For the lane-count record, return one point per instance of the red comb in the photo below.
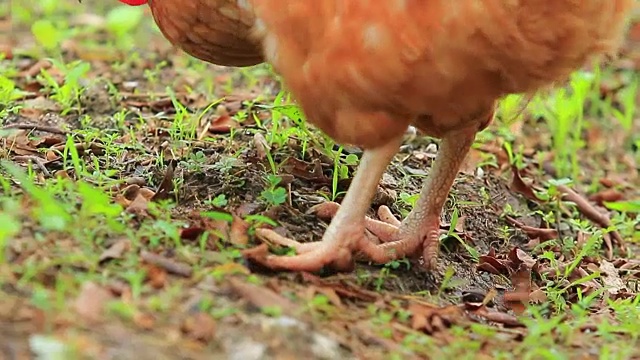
(134, 2)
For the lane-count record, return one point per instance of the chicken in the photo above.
(363, 71)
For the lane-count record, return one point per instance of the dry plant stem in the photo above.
(170, 265)
(40, 163)
(591, 213)
(35, 127)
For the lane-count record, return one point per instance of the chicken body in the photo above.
(363, 71)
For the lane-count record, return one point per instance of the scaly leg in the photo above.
(419, 232)
(421, 229)
(345, 235)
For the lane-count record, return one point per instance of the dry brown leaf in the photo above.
(261, 297)
(538, 296)
(165, 187)
(139, 205)
(518, 185)
(492, 264)
(611, 279)
(431, 318)
(518, 299)
(200, 326)
(344, 289)
(261, 145)
(519, 257)
(144, 321)
(156, 276)
(499, 317)
(330, 294)
(593, 214)
(306, 171)
(238, 233)
(172, 266)
(542, 234)
(606, 195)
(222, 124)
(231, 268)
(191, 232)
(91, 301)
(115, 251)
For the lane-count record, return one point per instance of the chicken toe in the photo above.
(421, 229)
(384, 229)
(345, 235)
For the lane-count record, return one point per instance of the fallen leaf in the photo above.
(156, 276)
(487, 267)
(494, 264)
(238, 233)
(611, 279)
(115, 251)
(166, 186)
(144, 321)
(170, 265)
(343, 289)
(589, 211)
(542, 234)
(306, 171)
(262, 297)
(538, 296)
(499, 317)
(91, 301)
(431, 318)
(519, 257)
(231, 268)
(191, 232)
(518, 299)
(606, 195)
(331, 294)
(200, 326)
(222, 124)
(518, 185)
(138, 206)
(261, 145)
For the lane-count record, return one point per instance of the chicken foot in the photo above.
(347, 234)
(420, 230)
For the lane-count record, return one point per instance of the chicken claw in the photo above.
(347, 234)
(383, 230)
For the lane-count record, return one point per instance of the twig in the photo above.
(36, 160)
(171, 266)
(591, 213)
(35, 127)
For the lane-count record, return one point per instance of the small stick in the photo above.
(171, 266)
(36, 160)
(35, 127)
(591, 212)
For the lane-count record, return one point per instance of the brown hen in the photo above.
(364, 70)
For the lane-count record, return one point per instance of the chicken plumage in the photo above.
(216, 31)
(363, 71)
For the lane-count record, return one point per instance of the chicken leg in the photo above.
(346, 236)
(421, 228)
